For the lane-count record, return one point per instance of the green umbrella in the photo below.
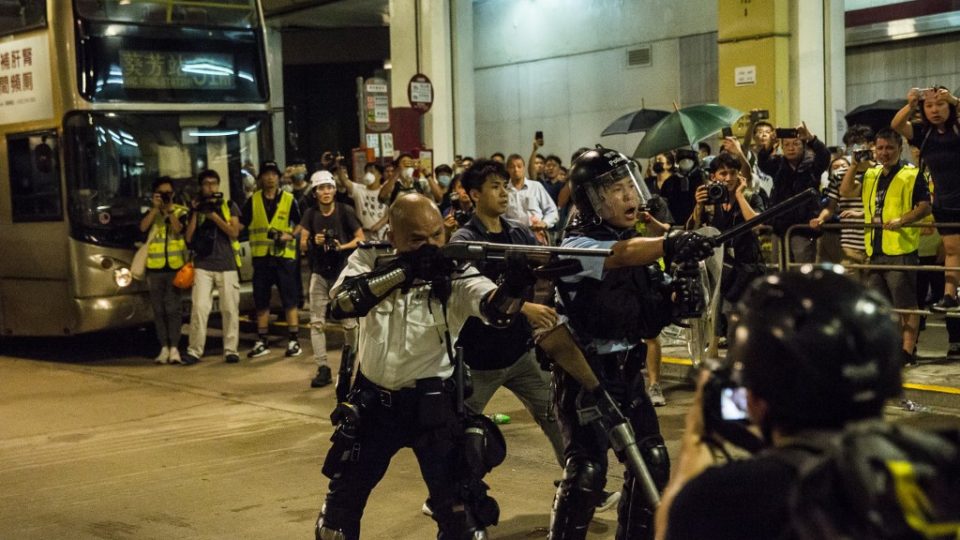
(686, 127)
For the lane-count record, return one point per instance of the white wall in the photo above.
(560, 66)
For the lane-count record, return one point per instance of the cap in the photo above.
(270, 166)
(320, 178)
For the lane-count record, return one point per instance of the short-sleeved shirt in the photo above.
(369, 208)
(850, 237)
(221, 258)
(344, 223)
(941, 153)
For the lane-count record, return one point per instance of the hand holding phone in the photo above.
(539, 138)
(726, 132)
(759, 114)
(787, 133)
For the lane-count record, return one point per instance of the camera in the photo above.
(717, 192)
(461, 217)
(166, 197)
(862, 155)
(725, 408)
(211, 203)
(275, 235)
(760, 114)
(787, 133)
(726, 132)
(329, 240)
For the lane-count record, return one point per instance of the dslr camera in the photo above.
(211, 203)
(166, 197)
(862, 154)
(276, 236)
(329, 240)
(717, 192)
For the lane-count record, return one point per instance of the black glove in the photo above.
(518, 277)
(425, 263)
(688, 300)
(681, 246)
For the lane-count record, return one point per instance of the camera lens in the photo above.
(716, 192)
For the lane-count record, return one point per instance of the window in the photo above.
(17, 15)
(35, 176)
(224, 13)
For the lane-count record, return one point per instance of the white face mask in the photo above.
(369, 178)
(408, 172)
(287, 187)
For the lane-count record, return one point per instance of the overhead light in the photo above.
(387, 64)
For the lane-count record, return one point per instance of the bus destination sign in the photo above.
(177, 70)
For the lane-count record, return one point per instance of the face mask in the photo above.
(299, 177)
(408, 172)
(369, 178)
(444, 180)
(658, 168)
(287, 187)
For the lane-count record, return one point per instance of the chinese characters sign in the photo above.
(376, 104)
(176, 71)
(25, 89)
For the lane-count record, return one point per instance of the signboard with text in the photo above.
(376, 104)
(25, 87)
(420, 93)
(176, 70)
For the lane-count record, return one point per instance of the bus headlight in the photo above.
(123, 277)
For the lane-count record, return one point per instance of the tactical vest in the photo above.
(261, 244)
(167, 249)
(897, 202)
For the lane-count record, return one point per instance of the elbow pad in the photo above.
(359, 295)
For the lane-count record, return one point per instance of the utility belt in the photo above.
(431, 400)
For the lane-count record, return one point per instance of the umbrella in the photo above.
(686, 127)
(877, 115)
(640, 120)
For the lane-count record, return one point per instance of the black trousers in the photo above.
(361, 453)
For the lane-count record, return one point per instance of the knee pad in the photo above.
(583, 475)
(655, 455)
(577, 498)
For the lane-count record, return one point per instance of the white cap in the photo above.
(320, 178)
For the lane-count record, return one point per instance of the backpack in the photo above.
(876, 480)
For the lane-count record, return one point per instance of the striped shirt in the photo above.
(850, 237)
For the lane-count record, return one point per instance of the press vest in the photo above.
(167, 249)
(260, 243)
(234, 243)
(897, 202)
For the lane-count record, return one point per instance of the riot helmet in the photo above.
(595, 172)
(819, 348)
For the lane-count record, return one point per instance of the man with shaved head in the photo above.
(403, 395)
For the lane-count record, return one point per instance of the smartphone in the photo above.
(539, 137)
(733, 404)
(727, 132)
(761, 114)
(787, 133)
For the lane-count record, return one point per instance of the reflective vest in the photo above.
(167, 249)
(234, 243)
(261, 244)
(897, 202)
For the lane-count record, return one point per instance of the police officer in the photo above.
(403, 395)
(611, 307)
(815, 352)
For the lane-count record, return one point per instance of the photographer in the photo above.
(212, 233)
(460, 209)
(815, 352)
(803, 161)
(674, 188)
(273, 217)
(166, 254)
(722, 203)
(330, 231)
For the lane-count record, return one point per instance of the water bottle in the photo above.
(500, 418)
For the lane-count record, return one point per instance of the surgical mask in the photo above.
(408, 172)
(299, 177)
(444, 180)
(287, 187)
(369, 178)
(658, 167)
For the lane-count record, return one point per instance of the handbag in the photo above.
(184, 277)
(138, 266)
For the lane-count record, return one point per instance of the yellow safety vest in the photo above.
(167, 250)
(234, 244)
(897, 202)
(260, 244)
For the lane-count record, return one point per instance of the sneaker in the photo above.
(293, 349)
(908, 358)
(232, 358)
(953, 353)
(425, 509)
(163, 357)
(189, 359)
(656, 397)
(175, 356)
(259, 349)
(322, 378)
(609, 500)
(947, 303)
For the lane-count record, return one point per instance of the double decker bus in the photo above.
(97, 99)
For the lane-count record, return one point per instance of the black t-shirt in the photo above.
(343, 221)
(740, 500)
(941, 153)
(679, 193)
(214, 249)
(745, 248)
(920, 194)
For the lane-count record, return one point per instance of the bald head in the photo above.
(414, 221)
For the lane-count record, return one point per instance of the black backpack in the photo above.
(876, 480)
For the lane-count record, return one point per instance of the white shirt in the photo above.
(369, 209)
(402, 338)
(531, 200)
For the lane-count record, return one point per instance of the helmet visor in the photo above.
(619, 188)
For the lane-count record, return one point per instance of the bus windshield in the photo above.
(117, 156)
(223, 13)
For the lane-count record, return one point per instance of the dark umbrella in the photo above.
(640, 120)
(877, 115)
(686, 127)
